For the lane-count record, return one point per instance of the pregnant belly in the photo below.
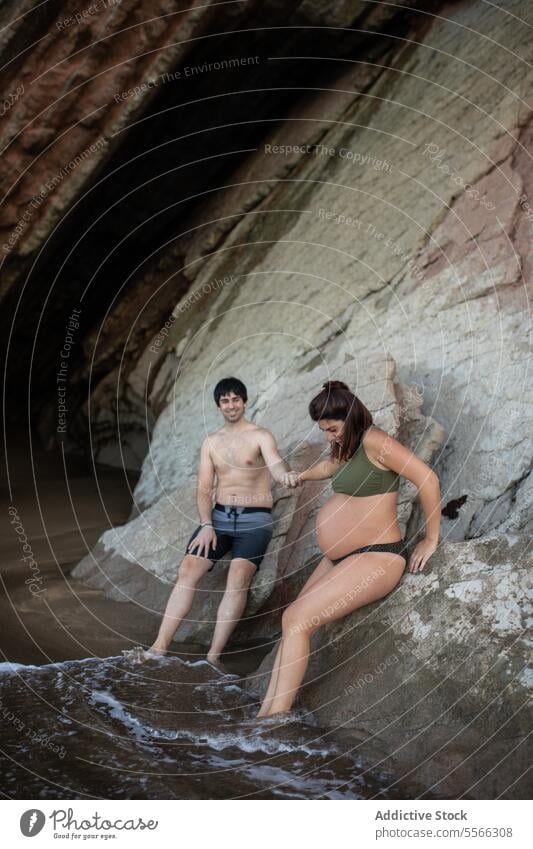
(346, 522)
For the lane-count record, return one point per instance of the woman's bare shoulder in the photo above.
(374, 436)
(377, 443)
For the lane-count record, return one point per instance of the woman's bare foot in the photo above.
(279, 714)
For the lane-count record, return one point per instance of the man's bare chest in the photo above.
(234, 454)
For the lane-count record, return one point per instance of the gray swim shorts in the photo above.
(247, 531)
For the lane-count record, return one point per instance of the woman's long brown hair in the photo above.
(337, 401)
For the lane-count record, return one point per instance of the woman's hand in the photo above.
(421, 554)
(205, 538)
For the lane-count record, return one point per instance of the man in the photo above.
(244, 458)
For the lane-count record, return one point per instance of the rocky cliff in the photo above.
(289, 194)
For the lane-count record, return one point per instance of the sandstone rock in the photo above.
(377, 228)
(73, 84)
(434, 680)
(139, 560)
(397, 239)
(369, 260)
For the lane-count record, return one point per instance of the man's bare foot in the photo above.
(140, 655)
(215, 661)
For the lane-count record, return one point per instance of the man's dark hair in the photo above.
(230, 384)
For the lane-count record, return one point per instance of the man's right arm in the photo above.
(207, 537)
(206, 479)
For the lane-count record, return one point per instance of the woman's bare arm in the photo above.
(391, 453)
(319, 471)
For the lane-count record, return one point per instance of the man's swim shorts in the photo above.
(247, 531)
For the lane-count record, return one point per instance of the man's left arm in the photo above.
(276, 466)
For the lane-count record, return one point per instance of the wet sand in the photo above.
(62, 509)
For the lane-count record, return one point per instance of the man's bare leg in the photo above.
(192, 568)
(232, 606)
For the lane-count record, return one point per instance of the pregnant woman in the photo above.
(357, 531)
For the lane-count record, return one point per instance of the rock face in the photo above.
(434, 680)
(391, 233)
(139, 561)
(119, 121)
(378, 234)
(365, 216)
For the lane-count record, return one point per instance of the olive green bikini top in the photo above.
(359, 476)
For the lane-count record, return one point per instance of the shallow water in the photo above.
(169, 729)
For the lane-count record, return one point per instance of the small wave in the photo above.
(12, 668)
(8, 668)
(168, 733)
(218, 741)
(134, 725)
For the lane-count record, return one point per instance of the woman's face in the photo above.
(332, 428)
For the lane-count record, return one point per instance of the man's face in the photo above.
(332, 428)
(232, 407)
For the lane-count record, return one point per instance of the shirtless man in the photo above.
(244, 458)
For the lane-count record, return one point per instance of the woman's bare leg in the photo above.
(269, 695)
(357, 580)
(322, 569)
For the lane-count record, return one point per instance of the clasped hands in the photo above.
(291, 480)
